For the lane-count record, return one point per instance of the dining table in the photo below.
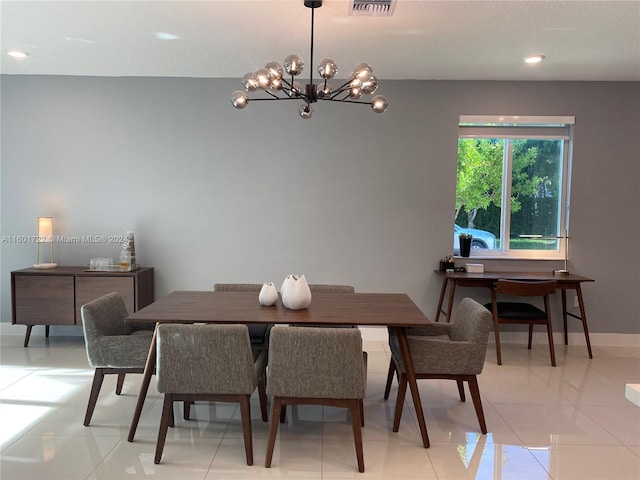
(396, 311)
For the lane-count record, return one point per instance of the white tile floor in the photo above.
(568, 422)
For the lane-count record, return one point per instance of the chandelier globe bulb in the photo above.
(297, 89)
(250, 85)
(355, 93)
(362, 71)
(327, 68)
(306, 111)
(276, 84)
(239, 99)
(324, 90)
(275, 69)
(370, 85)
(262, 78)
(379, 103)
(293, 65)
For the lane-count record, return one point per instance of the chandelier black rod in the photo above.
(274, 97)
(343, 100)
(337, 93)
(343, 87)
(272, 94)
(319, 99)
(313, 11)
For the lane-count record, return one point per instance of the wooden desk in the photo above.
(378, 309)
(488, 279)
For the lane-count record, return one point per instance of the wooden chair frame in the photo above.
(472, 381)
(336, 378)
(354, 406)
(520, 288)
(167, 419)
(98, 378)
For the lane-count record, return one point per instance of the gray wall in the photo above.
(219, 195)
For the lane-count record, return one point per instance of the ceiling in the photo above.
(443, 40)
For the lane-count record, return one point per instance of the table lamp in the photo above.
(45, 235)
(565, 270)
(562, 271)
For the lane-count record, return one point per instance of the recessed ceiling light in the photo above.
(17, 53)
(166, 36)
(534, 58)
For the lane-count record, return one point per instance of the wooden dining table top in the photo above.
(373, 309)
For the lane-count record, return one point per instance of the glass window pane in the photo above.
(510, 183)
(479, 192)
(536, 194)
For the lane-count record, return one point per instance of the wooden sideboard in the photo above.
(54, 296)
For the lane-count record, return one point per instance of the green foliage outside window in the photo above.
(535, 188)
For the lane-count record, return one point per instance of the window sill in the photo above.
(508, 257)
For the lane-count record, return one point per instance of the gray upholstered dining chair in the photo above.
(112, 345)
(258, 334)
(206, 363)
(454, 351)
(330, 288)
(316, 366)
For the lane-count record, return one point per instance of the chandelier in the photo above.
(272, 81)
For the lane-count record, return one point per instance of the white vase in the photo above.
(268, 294)
(295, 292)
(285, 284)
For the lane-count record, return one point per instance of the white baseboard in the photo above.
(575, 338)
(7, 328)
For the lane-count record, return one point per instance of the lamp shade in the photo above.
(45, 229)
(45, 235)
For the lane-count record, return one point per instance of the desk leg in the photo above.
(452, 293)
(443, 290)
(413, 385)
(583, 317)
(149, 367)
(564, 315)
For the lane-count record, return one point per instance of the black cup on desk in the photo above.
(444, 266)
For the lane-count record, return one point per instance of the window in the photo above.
(512, 189)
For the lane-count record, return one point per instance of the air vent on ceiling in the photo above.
(372, 7)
